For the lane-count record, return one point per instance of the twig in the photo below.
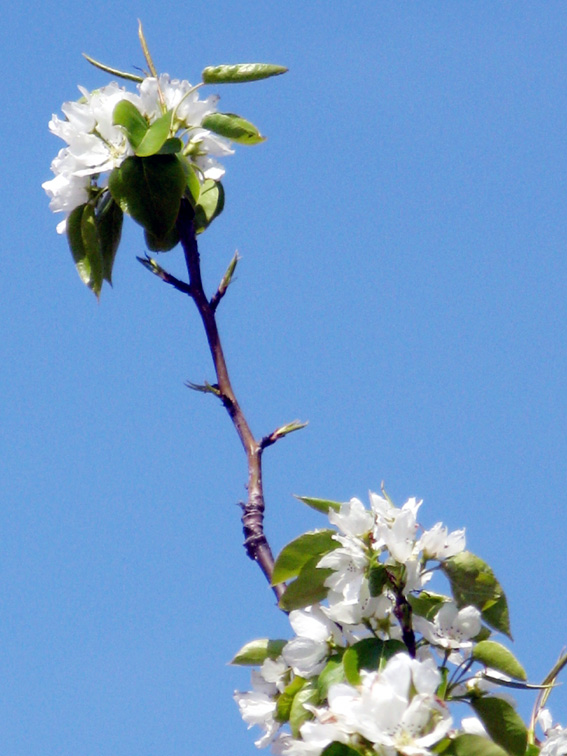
(255, 542)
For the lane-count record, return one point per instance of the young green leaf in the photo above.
(377, 579)
(240, 72)
(150, 190)
(256, 652)
(427, 604)
(368, 654)
(155, 137)
(321, 505)
(298, 714)
(503, 723)
(341, 749)
(496, 656)
(298, 552)
(127, 115)
(83, 240)
(308, 588)
(109, 219)
(233, 127)
(210, 204)
(473, 583)
(161, 244)
(332, 673)
(283, 706)
(473, 745)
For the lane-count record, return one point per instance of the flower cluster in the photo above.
(377, 661)
(96, 144)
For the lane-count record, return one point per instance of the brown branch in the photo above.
(255, 542)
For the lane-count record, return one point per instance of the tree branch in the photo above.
(255, 542)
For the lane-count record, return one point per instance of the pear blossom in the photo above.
(452, 628)
(555, 743)
(438, 543)
(95, 145)
(307, 653)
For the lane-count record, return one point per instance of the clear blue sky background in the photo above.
(403, 287)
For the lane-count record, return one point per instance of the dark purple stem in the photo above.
(255, 542)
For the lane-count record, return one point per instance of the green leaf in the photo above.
(240, 72)
(284, 702)
(369, 654)
(256, 652)
(210, 204)
(162, 244)
(473, 583)
(377, 579)
(503, 724)
(473, 745)
(83, 240)
(109, 219)
(332, 673)
(150, 190)
(233, 127)
(427, 604)
(321, 505)
(298, 552)
(193, 183)
(298, 714)
(127, 115)
(155, 137)
(308, 588)
(171, 146)
(497, 656)
(340, 749)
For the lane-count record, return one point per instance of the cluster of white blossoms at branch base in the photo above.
(95, 146)
(318, 690)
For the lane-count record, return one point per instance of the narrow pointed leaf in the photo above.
(473, 583)
(496, 656)
(233, 127)
(109, 225)
(113, 71)
(308, 588)
(240, 72)
(503, 724)
(473, 745)
(155, 137)
(321, 505)
(257, 651)
(127, 115)
(84, 243)
(293, 557)
(150, 190)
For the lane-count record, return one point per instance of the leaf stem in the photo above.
(255, 541)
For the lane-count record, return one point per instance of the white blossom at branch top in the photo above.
(452, 628)
(95, 146)
(395, 529)
(437, 543)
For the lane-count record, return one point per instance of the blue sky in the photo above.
(402, 287)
